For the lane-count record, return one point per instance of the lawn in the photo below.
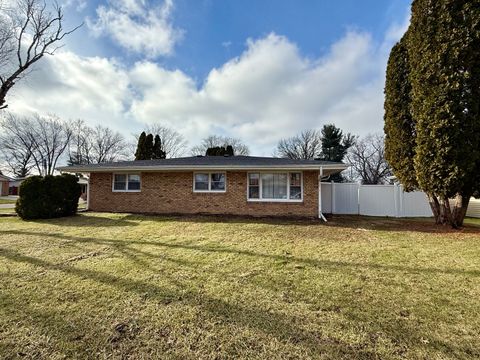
(125, 286)
(7, 201)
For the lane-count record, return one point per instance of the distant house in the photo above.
(4, 185)
(237, 185)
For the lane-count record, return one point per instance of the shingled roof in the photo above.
(206, 163)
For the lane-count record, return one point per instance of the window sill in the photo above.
(209, 192)
(285, 201)
(126, 191)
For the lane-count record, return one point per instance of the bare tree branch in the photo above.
(306, 145)
(367, 160)
(27, 32)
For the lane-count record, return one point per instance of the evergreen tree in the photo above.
(399, 126)
(158, 153)
(220, 151)
(335, 146)
(229, 150)
(444, 74)
(140, 153)
(149, 147)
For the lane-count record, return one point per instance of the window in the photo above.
(275, 186)
(209, 182)
(126, 182)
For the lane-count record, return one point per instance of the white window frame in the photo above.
(287, 200)
(126, 185)
(210, 182)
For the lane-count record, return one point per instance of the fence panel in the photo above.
(415, 204)
(377, 200)
(326, 198)
(345, 198)
(474, 208)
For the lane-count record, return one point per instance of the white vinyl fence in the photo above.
(379, 200)
(373, 200)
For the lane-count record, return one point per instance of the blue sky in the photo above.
(260, 70)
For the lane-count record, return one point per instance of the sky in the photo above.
(258, 70)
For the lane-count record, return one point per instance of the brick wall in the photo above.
(172, 192)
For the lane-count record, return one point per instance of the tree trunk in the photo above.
(436, 208)
(460, 210)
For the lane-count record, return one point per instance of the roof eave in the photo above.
(199, 167)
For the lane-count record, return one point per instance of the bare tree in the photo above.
(367, 160)
(50, 137)
(16, 145)
(95, 145)
(172, 143)
(107, 145)
(28, 31)
(306, 145)
(239, 148)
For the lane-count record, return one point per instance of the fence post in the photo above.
(333, 197)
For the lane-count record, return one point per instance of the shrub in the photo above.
(48, 197)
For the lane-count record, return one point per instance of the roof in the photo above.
(4, 178)
(207, 163)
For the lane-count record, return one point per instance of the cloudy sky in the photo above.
(257, 70)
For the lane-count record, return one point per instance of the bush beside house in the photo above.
(48, 197)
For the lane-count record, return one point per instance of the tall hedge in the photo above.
(443, 65)
(48, 197)
(399, 125)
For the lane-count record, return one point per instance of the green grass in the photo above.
(7, 201)
(125, 286)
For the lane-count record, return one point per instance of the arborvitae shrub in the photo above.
(48, 197)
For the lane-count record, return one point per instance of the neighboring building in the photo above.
(15, 185)
(4, 185)
(236, 185)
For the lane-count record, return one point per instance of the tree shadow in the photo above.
(88, 221)
(323, 263)
(371, 223)
(284, 328)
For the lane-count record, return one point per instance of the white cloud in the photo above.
(270, 91)
(137, 26)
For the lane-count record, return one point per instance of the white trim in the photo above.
(126, 184)
(287, 200)
(88, 194)
(320, 214)
(210, 191)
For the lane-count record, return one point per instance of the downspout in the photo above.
(320, 214)
(88, 193)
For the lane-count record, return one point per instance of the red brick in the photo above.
(172, 193)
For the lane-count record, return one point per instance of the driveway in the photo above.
(9, 198)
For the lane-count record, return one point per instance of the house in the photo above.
(236, 185)
(4, 185)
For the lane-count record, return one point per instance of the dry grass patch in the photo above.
(126, 286)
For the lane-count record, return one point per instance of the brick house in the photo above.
(235, 185)
(4, 185)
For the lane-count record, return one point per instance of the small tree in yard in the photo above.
(48, 197)
(433, 95)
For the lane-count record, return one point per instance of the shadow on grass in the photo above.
(122, 244)
(280, 326)
(344, 221)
